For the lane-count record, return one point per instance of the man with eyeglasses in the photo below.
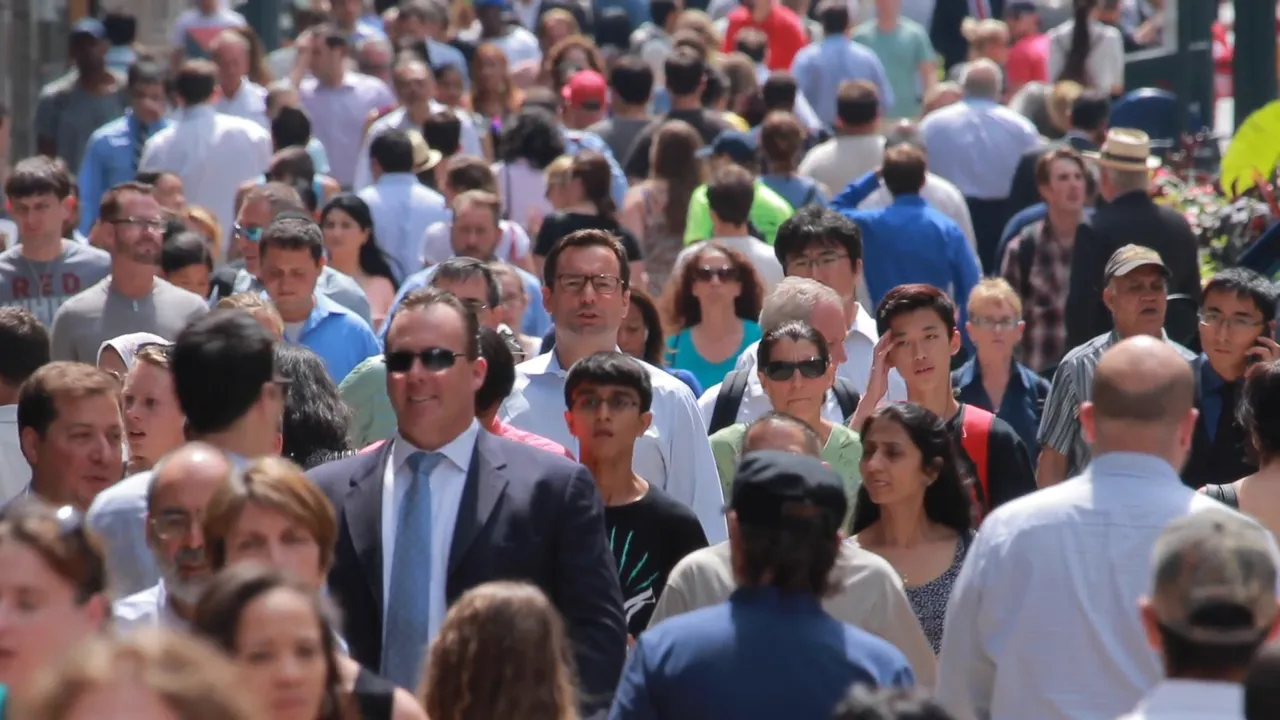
(132, 298)
(176, 498)
(1237, 321)
(586, 285)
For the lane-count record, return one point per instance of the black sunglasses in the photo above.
(782, 370)
(723, 274)
(434, 359)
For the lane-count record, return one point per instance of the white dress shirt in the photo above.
(977, 144)
(437, 243)
(144, 609)
(1043, 620)
(402, 210)
(447, 481)
(15, 473)
(249, 102)
(1191, 700)
(213, 154)
(673, 454)
(398, 119)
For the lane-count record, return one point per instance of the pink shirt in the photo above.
(501, 429)
(1028, 61)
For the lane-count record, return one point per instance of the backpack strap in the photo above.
(848, 397)
(728, 400)
(1225, 494)
(975, 435)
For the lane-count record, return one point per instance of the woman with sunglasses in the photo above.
(153, 420)
(274, 515)
(914, 508)
(796, 372)
(53, 589)
(713, 304)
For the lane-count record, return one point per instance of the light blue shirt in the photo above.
(977, 144)
(536, 320)
(110, 158)
(444, 54)
(819, 69)
(340, 337)
(1042, 621)
(575, 141)
(402, 210)
(319, 157)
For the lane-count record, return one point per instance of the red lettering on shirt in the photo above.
(70, 284)
(21, 289)
(46, 284)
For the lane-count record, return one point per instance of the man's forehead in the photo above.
(1222, 298)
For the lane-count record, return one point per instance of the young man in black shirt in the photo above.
(608, 396)
(918, 336)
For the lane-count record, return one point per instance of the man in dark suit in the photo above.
(445, 506)
(1089, 114)
(1130, 216)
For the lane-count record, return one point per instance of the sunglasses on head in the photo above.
(723, 274)
(434, 359)
(782, 370)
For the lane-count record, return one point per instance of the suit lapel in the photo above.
(363, 511)
(485, 483)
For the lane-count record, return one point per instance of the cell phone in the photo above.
(1256, 353)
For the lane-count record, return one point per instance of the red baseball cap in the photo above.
(587, 89)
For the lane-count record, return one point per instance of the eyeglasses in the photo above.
(434, 359)
(1006, 323)
(252, 234)
(576, 283)
(1233, 323)
(805, 263)
(474, 306)
(615, 403)
(782, 370)
(174, 524)
(706, 273)
(156, 224)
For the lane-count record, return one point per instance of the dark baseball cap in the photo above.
(772, 487)
(740, 146)
(1130, 258)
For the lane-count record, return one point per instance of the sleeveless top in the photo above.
(658, 246)
(1225, 494)
(374, 695)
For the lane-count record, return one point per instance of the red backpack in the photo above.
(975, 432)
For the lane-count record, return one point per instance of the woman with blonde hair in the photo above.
(202, 220)
(654, 210)
(500, 653)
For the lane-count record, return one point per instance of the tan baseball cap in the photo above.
(1130, 258)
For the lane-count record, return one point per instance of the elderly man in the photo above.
(977, 144)
(240, 96)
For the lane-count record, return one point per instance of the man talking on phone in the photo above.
(1237, 324)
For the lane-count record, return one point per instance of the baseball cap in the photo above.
(772, 486)
(586, 89)
(1130, 258)
(89, 26)
(1215, 579)
(741, 146)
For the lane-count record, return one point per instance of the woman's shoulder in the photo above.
(729, 436)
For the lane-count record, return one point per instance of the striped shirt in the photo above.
(1072, 385)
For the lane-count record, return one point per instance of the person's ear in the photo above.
(955, 341)
(30, 440)
(1150, 624)
(1086, 421)
(479, 369)
(646, 419)
(1108, 298)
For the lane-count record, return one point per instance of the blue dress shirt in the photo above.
(575, 141)
(977, 145)
(402, 209)
(1211, 384)
(762, 654)
(1021, 406)
(536, 320)
(110, 158)
(339, 336)
(446, 55)
(821, 67)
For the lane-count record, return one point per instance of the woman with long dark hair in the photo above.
(1086, 51)
(655, 210)
(590, 207)
(529, 144)
(914, 508)
(353, 250)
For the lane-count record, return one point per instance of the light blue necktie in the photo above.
(409, 600)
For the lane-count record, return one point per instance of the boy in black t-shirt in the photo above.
(918, 336)
(608, 395)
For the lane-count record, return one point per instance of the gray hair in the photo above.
(380, 43)
(462, 269)
(981, 79)
(795, 298)
(1126, 180)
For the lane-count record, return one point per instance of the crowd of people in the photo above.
(642, 360)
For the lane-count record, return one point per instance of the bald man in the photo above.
(181, 486)
(238, 95)
(1043, 622)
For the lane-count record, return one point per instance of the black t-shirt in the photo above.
(1009, 471)
(648, 537)
(557, 225)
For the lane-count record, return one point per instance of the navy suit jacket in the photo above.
(526, 514)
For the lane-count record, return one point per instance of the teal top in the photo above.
(683, 355)
(901, 51)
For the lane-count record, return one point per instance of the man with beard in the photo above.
(131, 299)
(180, 488)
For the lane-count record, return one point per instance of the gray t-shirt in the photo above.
(42, 287)
(620, 134)
(99, 314)
(69, 114)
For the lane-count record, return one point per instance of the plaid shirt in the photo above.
(1043, 292)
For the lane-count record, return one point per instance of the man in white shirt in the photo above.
(181, 486)
(1041, 622)
(1211, 608)
(587, 288)
(402, 208)
(212, 153)
(239, 96)
(26, 349)
(729, 196)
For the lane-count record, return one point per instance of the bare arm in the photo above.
(1052, 468)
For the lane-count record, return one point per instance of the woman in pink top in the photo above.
(1029, 57)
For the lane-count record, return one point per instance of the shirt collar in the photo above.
(970, 373)
(1210, 380)
(908, 199)
(397, 179)
(1193, 698)
(9, 413)
(196, 112)
(323, 308)
(457, 451)
(550, 366)
(863, 324)
(1135, 467)
(772, 598)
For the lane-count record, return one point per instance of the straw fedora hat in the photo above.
(1125, 149)
(424, 157)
